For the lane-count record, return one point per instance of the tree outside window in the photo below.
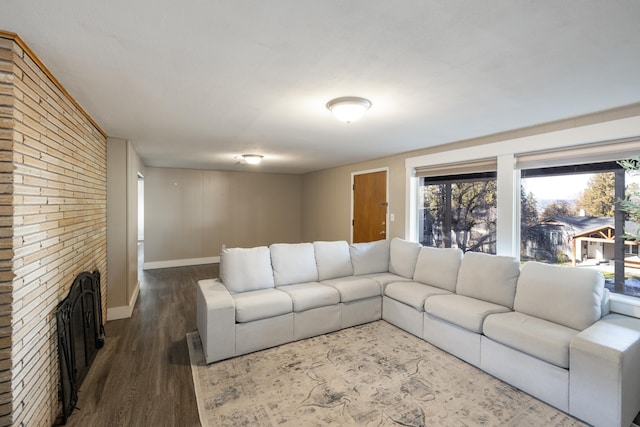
(459, 214)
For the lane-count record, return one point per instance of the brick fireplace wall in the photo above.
(52, 226)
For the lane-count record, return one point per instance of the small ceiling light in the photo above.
(348, 108)
(252, 159)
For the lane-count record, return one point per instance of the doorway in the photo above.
(370, 205)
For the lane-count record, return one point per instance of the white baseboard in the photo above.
(125, 311)
(180, 262)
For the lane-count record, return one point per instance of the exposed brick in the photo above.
(52, 227)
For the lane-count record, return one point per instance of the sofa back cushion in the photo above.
(246, 269)
(438, 267)
(491, 278)
(370, 257)
(293, 263)
(569, 296)
(333, 259)
(402, 257)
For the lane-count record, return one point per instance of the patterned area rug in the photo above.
(369, 375)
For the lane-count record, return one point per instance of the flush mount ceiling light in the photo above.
(252, 159)
(348, 108)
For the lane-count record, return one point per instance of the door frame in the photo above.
(386, 221)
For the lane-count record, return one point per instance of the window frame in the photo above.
(596, 141)
(619, 216)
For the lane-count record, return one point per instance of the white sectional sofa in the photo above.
(544, 329)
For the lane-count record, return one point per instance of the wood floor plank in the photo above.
(142, 375)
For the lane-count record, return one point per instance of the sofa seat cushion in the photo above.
(306, 296)
(412, 294)
(386, 278)
(540, 338)
(261, 304)
(468, 313)
(354, 288)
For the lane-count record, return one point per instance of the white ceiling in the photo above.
(196, 83)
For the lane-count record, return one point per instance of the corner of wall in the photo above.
(125, 311)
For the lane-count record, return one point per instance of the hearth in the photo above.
(80, 335)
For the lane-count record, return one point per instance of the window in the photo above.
(569, 216)
(555, 238)
(596, 143)
(459, 212)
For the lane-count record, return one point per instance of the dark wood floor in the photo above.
(142, 377)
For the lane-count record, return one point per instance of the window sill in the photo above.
(625, 304)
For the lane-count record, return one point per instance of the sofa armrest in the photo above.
(216, 319)
(604, 372)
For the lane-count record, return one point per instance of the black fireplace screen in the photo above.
(80, 335)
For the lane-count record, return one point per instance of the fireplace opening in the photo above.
(80, 336)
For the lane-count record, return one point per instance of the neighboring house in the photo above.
(577, 239)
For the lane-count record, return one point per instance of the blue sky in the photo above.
(564, 187)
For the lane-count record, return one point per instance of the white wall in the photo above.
(326, 206)
(123, 165)
(190, 214)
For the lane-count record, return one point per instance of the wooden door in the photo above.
(370, 207)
